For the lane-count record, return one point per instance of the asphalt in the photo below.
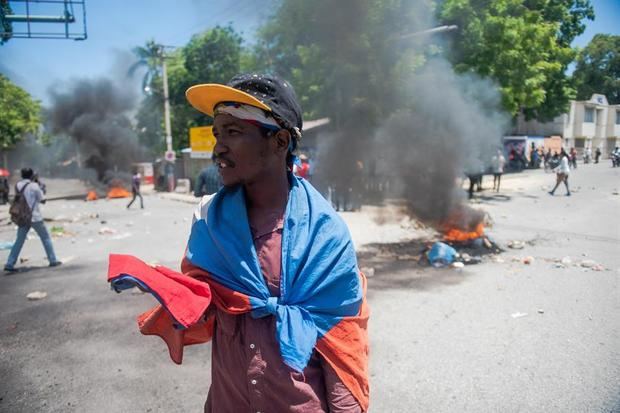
(498, 336)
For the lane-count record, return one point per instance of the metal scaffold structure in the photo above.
(42, 19)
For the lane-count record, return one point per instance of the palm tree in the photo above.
(151, 57)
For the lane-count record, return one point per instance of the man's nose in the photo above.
(219, 149)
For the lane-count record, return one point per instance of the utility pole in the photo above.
(166, 104)
(169, 155)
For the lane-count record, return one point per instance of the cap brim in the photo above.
(205, 97)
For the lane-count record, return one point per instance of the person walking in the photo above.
(135, 189)
(597, 155)
(573, 158)
(32, 194)
(498, 163)
(209, 181)
(562, 171)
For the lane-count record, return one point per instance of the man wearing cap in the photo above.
(289, 331)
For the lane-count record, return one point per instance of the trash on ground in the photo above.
(541, 311)
(518, 315)
(587, 263)
(566, 261)
(527, 260)
(57, 231)
(107, 230)
(36, 295)
(122, 235)
(6, 245)
(23, 259)
(441, 254)
(516, 245)
(457, 265)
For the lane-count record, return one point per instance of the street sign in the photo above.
(170, 156)
(201, 139)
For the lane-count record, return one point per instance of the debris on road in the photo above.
(566, 261)
(541, 311)
(441, 254)
(36, 295)
(518, 315)
(23, 259)
(57, 231)
(516, 245)
(107, 231)
(122, 236)
(527, 260)
(457, 265)
(587, 263)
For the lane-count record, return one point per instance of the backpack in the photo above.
(20, 211)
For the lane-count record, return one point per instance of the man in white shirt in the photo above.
(562, 171)
(34, 197)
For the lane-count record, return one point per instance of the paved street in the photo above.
(501, 336)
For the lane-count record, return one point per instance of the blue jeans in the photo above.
(41, 231)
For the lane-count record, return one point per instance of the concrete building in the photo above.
(592, 123)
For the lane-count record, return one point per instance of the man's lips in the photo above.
(223, 163)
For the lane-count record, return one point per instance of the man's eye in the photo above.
(233, 131)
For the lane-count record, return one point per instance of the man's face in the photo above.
(243, 154)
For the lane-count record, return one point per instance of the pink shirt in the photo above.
(248, 374)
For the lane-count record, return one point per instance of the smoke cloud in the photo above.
(435, 128)
(95, 114)
(454, 129)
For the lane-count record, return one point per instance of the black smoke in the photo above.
(96, 115)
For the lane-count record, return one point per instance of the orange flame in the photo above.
(91, 196)
(118, 192)
(456, 235)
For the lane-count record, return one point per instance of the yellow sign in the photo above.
(201, 139)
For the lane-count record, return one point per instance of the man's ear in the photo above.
(282, 139)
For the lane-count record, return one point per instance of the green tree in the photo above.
(5, 26)
(19, 113)
(598, 68)
(345, 58)
(213, 56)
(523, 45)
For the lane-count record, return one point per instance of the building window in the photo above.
(589, 115)
(618, 117)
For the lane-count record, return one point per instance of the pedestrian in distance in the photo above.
(135, 189)
(26, 214)
(597, 155)
(497, 163)
(562, 171)
(587, 155)
(288, 315)
(615, 157)
(547, 159)
(573, 158)
(209, 181)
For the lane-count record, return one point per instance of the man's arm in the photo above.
(38, 195)
(339, 398)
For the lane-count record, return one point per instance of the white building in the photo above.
(590, 123)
